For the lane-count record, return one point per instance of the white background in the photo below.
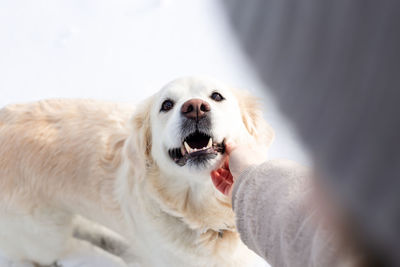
(124, 51)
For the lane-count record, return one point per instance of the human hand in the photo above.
(222, 178)
(238, 158)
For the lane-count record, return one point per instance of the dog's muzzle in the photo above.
(198, 145)
(196, 148)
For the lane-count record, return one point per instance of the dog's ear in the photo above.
(138, 147)
(250, 108)
(141, 128)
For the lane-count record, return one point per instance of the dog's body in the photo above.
(137, 176)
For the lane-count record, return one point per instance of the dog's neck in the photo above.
(198, 206)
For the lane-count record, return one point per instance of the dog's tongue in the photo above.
(222, 178)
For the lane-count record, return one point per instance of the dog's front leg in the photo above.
(84, 254)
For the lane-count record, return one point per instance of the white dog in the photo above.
(146, 176)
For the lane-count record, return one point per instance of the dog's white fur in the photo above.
(61, 158)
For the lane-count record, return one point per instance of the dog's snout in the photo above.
(195, 109)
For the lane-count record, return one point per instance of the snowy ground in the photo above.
(122, 50)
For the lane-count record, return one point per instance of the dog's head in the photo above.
(184, 127)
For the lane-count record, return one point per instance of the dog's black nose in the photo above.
(195, 109)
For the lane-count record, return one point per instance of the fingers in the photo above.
(226, 175)
(222, 180)
(238, 157)
(216, 179)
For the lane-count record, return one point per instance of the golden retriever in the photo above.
(142, 171)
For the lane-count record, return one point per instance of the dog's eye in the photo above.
(217, 97)
(167, 105)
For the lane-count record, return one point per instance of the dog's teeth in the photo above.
(188, 148)
(209, 143)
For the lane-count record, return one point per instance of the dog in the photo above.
(142, 171)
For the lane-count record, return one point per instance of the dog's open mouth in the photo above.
(197, 147)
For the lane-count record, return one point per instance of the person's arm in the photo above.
(274, 218)
(275, 212)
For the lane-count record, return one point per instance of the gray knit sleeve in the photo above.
(333, 67)
(274, 218)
